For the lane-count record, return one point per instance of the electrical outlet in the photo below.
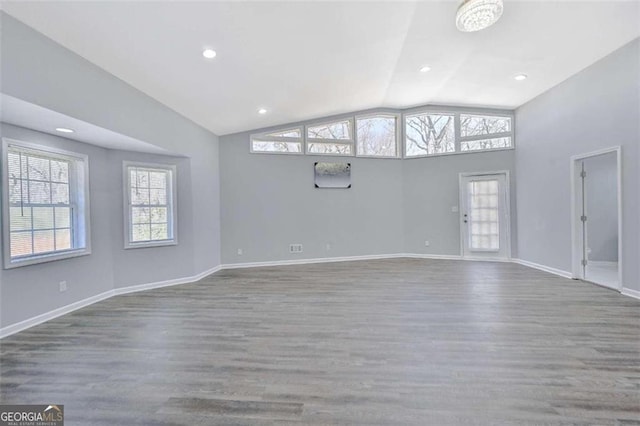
(63, 286)
(427, 243)
(239, 252)
(295, 248)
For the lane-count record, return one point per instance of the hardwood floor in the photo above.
(385, 342)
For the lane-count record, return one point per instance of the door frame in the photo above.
(577, 243)
(507, 189)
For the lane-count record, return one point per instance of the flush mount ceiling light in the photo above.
(209, 53)
(426, 68)
(262, 111)
(64, 130)
(520, 77)
(476, 15)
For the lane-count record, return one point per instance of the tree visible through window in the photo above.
(481, 132)
(377, 136)
(429, 134)
(331, 138)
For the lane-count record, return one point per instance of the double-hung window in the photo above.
(46, 204)
(483, 132)
(332, 138)
(150, 199)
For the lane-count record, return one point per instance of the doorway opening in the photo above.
(485, 216)
(596, 217)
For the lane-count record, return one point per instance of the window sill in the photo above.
(45, 258)
(150, 244)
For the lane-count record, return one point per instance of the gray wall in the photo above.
(32, 290)
(269, 201)
(601, 190)
(38, 70)
(597, 108)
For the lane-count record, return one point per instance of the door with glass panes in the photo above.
(484, 215)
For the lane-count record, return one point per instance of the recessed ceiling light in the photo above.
(64, 130)
(209, 53)
(262, 111)
(426, 68)
(520, 77)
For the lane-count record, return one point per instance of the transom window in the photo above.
(151, 205)
(287, 141)
(334, 138)
(46, 204)
(483, 132)
(377, 135)
(429, 133)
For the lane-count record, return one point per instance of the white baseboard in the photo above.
(39, 319)
(544, 268)
(631, 292)
(310, 261)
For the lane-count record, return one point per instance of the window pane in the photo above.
(159, 232)
(139, 178)
(38, 168)
(158, 180)
(429, 134)
(39, 192)
(291, 133)
(19, 218)
(59, 193)
(60, 171)
(476, 125)
(485, 144)
(141, 233)
(329, 148)
(20, 243)
(140, 214)
(158, 196)
(43, 241)
(377, 136)
(63, 239)
(42, 217)
(270, 146)
(337, 130)
(159, 214)
(63, 217)
(15, 170)
(18, 190)
(483, 215)
(139, 196)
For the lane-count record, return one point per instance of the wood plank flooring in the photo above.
(384, 342)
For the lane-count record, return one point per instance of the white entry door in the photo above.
(484, 215)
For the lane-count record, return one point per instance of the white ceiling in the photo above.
(302, 60)
(20, 113)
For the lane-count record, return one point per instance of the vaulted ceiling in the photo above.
(301, 60)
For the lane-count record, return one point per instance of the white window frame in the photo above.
(172, 196)
(460, 138)
(264, 136)
(431, 111)
(79, 199)
(350, 141)
(398, 133)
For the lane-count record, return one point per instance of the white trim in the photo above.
(80, 216)
(39, 319)
(172, 210)
(631, 292)
(576, 225)
(544, 268)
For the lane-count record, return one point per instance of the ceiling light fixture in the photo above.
(64, 130)
(209, 53)
(262, 111)
(520, 77)
(476, 15)
(426, 68)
